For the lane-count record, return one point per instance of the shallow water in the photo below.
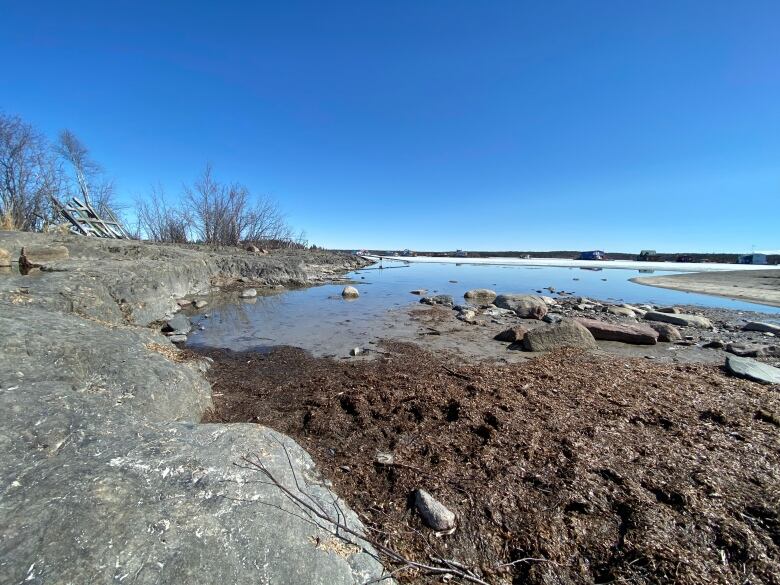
(319, 320)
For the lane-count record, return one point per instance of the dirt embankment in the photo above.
(758, 286)
(568, 468)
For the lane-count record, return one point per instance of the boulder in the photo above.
(679, 319)
(438, 300)
(620, 311)
(435, 514)
(350, 292)
(5, 257)
(524, 306)
(179, 325)
(763, 327)
(38, 256)
(513, 334)
(248, 293)
(252, 248)
(753, 350)
(666, 331)
(483, 294)
(752, 370)
(634, 334)
(567, 333)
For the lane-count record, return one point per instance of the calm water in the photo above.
(319, 320)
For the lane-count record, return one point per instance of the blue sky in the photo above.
(429, 125)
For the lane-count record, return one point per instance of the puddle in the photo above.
(320, 321)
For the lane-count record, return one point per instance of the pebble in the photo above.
(435, 514)
(248, 293)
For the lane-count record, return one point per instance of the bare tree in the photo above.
(227, 214)
(28, 175)
(160, 222)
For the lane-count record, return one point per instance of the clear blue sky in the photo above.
(429, 124)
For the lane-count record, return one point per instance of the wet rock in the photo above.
(435, 514)
(248, 293)
(179, 324)
(763, 327)
(633, 334)
(513, 334)
(5, 257)
(350, 292)
(567, 333)
(679, 319)
(752, 370)
(666, 331)
(524, 306)
(438, 300)
(482, 294)
(419, 291)
(753, 350)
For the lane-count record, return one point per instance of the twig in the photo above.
(457, 375)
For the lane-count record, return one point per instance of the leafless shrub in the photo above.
(160, 222)
(227, 214)
(28, 175)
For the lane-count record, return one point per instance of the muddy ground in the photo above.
(567, 468)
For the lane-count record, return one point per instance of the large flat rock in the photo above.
(634, 334)
(753, 370)
(679, 319)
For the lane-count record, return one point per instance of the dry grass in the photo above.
(7, 223)
(173, 354)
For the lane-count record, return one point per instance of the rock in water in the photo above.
(248, 293)
(666, 331)
(483, 294)
(763, 327)
(350, 292)
(679, 319)
(419, 291)
(567, 333)
(512, 335)
(179, 325)
(433, 512)
(753, 370)
(438, 300)
(635, 334)
(524, 306)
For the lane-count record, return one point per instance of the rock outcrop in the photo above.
(107, 474)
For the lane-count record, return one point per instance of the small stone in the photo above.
(200, 304)
(468, 316)
(184, 302)
(355, 351)
(179, 324)
(445, 300)
(350, 292)
(178, 338)
(512, 335)
(248, 293)
(435, 514)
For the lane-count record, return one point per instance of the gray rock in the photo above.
(552, 318)
(39, 256)
(468, 316)
(620, 311)
(633, 334)
(666, 331)
(524, 306)
(199, 304)
(752, 370)
(679, 319)
(715, 344)
(567, 333)
(419, 291)
(350, 292)
(435, 514)
(248, 293)
(179, 324)
(671, 310)
(763, 327)
(438, 300)
(482, 294)
(753, 350)
(177, 338)
(184, 302)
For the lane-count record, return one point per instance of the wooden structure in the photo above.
(86, 221)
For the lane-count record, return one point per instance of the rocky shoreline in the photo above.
(108, 474)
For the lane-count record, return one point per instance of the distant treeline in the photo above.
(573, 254)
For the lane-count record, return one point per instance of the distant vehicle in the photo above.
(684, 258)
(460, 254)
(592, 255)
(648, 256)
(752, 259)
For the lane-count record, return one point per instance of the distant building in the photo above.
(648, 256)
(407, 252)
(592, 255)
(460, 254)
(752, 259)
